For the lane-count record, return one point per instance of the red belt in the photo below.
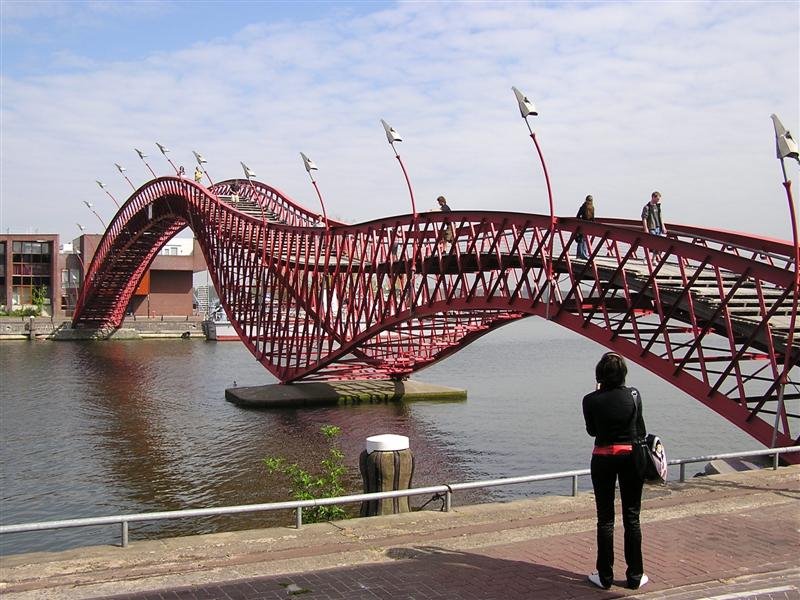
(613, 449)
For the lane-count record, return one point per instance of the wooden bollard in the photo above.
(387, 464)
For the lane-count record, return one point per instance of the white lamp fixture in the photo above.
(785, 144)
(248, 172)
(391, 133)
(309, 164)
(526, 107)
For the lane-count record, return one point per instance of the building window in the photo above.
(30, 268)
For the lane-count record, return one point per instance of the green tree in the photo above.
(38, 297)
(308, 486)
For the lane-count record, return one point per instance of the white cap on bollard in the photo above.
(386, 442)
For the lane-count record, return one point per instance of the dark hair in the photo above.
(588, 208)
(611, 371)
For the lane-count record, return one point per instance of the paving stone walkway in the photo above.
(729, 537)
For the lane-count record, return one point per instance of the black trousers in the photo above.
(605, 472)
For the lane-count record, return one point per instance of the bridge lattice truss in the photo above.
(709, 311)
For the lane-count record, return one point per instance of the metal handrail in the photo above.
(299, 505)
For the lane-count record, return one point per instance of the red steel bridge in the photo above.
(711, 311)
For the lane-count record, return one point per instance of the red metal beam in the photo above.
(385, 298)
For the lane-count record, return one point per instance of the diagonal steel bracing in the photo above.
(707, 310)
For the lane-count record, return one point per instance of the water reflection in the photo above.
(91, 429)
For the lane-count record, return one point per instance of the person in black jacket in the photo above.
(613, 416)
(585, 212)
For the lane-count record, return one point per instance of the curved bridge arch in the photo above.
(709, 311)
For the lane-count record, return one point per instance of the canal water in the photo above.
(104, 428)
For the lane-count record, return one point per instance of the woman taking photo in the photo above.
(613, 415)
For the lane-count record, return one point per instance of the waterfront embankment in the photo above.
(734, 536)
(139, 328)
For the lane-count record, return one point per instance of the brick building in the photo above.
(32, 264)
(29, 272)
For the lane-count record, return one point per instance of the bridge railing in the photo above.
(443, 491)
(760, 249)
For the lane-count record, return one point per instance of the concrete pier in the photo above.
(340, 392)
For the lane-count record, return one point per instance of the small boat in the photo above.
(218, 328)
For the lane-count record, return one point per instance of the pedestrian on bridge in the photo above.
(613, 417)
(446, 234)
(651, 216)
(198, 175)
(585, 212)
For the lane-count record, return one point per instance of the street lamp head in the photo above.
(199, 158)
(526, 107)
(120, 168)
(163, 149)
(81, 227)
(309, 164)
(248, 172)
(785, 145)
(100, 183)
(88, 204)
(391, 134)
(141, 154)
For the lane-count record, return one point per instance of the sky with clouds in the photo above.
(637, 96)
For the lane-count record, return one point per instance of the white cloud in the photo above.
(633, 97)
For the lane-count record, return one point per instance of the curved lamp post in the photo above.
(250, 174)
(164, 151)
(122, 170)
(103, 187)
(90, 206)
(786, 147)
(310, 166)
(142, 155)
(200, 162)
(393, 137)
(527, 109)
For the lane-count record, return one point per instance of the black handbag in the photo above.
(649, 454)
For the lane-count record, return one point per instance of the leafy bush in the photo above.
(39, 296)
(30, 311)
(308, 486)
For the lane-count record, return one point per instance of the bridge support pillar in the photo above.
(386, 465)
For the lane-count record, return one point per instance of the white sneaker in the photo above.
(642, 582)
(595, 579)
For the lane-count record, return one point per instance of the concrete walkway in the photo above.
(722, 537)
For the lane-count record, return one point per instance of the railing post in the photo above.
(448, 500)
(574, 485)
(298, 517)
(124, 534)
(775, 459)
(683, 472)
